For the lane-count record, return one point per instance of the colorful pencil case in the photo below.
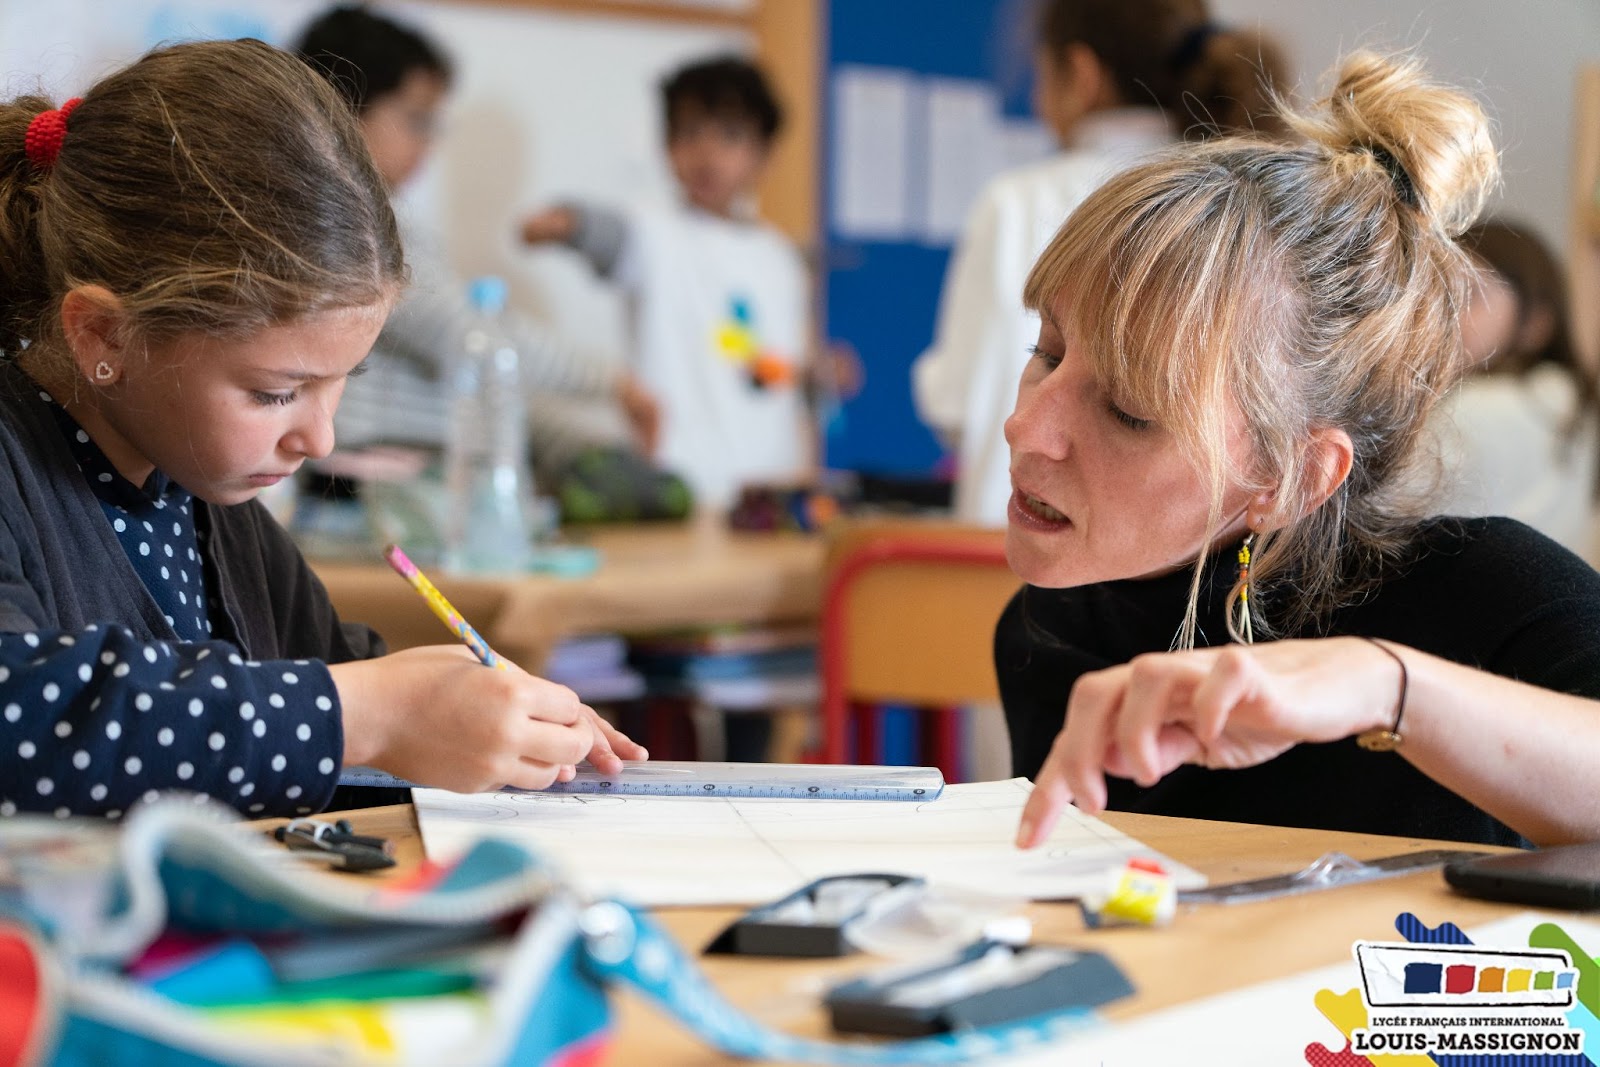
(82, 904)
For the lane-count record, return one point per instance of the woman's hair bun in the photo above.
(1432, 139)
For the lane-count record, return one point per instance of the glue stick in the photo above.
(1140, 892)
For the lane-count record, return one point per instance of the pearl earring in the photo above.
(104, 372)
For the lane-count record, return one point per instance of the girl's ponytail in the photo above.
(217, 187)
(24, 290)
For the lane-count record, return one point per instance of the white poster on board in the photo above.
(872, 119)
(964, 152)
(910, 153)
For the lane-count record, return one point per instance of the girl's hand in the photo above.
(611, 747)
(436, 716)
(1228, 707)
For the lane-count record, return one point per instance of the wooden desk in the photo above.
(1208, 949)
(650, 578)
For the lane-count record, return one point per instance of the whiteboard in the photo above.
(545, 104)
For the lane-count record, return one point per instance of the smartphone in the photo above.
(1563, 877)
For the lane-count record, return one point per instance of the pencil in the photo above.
(442, 608)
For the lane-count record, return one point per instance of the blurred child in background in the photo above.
(722, 309)
(396, 80)
(1115, 80)
(1521, 436)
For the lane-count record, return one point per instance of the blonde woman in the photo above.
(1241, 344)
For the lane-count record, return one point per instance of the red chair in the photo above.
(908, 617)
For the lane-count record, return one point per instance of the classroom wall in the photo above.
(1522, 59)
(550, 104)
(915, 125)
(549, 101)
(884, 270)
(558, 98)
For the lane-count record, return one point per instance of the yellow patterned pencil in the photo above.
(442, 607)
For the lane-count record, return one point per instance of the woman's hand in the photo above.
(1228, 707)
(436, 716)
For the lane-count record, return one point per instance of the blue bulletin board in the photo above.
(924, 102)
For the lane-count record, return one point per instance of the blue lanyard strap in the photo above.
(624, 945)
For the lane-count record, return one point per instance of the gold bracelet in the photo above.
(1381, 740)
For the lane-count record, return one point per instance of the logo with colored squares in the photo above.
(736, 341)
(1438, 998)
(1420, 976)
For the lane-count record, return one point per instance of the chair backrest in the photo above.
(908, 616)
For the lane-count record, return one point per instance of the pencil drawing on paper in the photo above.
(719, 850)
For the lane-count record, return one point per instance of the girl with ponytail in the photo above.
(194, 257)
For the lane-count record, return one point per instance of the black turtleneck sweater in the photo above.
(1489, 593)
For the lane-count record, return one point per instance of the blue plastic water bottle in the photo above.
(486, 462)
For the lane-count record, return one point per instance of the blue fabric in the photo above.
(86, 1042)
(562, 1019)
(94, 721)
(570, 1014)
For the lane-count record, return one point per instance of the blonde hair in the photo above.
(1309, 285)
(218, 186)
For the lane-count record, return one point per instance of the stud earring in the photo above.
(104, 372)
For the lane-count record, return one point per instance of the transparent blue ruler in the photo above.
(782, 781)
(690, 778)
(374, 778)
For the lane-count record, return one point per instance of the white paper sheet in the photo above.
(963, 152)
(701, 851)
(871, 151)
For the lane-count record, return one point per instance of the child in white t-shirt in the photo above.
(396, 78)
(720, 300)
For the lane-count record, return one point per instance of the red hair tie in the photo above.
(45, 133)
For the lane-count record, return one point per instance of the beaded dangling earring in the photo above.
(1242, 630)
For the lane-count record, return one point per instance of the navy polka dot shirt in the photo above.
(97, 720)
(155, 527)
